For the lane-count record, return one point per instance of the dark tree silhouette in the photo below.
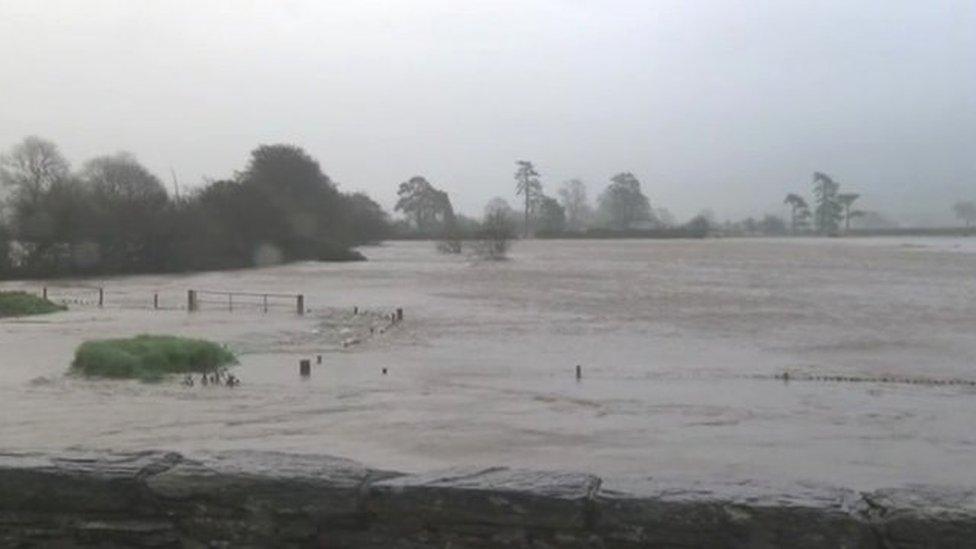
(846, 201)
(574, 200)
(799, 212)
(527, 186)
(829, 210)
(966, 211)
(429, 207)
(551, 216)
(623, 205)
(114, 216)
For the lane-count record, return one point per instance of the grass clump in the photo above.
(149, 357)
(24, 304)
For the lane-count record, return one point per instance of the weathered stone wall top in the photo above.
(269, 499)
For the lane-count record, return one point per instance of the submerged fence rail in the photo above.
(196, 300)
(75, 294)
(232, 299)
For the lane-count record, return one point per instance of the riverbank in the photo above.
(271, 499)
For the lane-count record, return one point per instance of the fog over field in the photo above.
(725, 105)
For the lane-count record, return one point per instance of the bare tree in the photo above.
(572, 194)
(966, 211)
(31, 167)
(495, 236)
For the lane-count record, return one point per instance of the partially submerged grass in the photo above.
(149, 357)
(24, 304)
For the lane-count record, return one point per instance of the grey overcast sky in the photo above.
(723, 104)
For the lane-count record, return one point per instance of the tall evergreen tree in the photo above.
(528, 186)
(846, 201)
(799, 212)
(829, 210)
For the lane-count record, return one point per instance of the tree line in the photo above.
(621, 209)
(112, 215)
(831, 208)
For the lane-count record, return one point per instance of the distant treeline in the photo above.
(690, 230)
(114, 216)
(622, 211)
(915, 231)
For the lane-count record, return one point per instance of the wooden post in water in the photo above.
(191, 300)
(265, 302)
(101, 296)
(579, 372)
(300, 304)
(44, 292)
(156, 300)
(305, 367)
(230, 302)
(399, 316)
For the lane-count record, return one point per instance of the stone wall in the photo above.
(267, 499)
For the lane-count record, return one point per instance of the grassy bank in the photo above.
(149, 357)
(24, 304)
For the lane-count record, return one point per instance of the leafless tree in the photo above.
(572, 194)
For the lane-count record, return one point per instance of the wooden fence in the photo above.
(241, 300)
(195, 299)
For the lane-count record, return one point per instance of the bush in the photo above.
(23, 304)
(149, 357)
(450, 246)
(495, 237)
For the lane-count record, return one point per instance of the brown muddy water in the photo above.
(679, 343)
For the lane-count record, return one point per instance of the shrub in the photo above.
(23, 304)
(495, 237)
(149, 357)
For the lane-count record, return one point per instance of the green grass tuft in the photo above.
(149, 357)
(24, 304)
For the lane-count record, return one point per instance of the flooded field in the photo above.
(681, 346)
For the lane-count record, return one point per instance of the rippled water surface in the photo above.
(680, 345)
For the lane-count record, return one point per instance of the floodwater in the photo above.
(680, 344)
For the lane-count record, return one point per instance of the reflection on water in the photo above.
(680, 344)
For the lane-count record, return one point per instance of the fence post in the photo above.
(265, 302)
(300, 303)
(191, 300)
(155, 301)
(101, 296)
(44, 292)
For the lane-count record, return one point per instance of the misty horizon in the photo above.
(718, 105)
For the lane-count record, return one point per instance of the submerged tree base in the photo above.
(149, 357)
(24, 304)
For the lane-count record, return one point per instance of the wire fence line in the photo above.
(192, 300)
